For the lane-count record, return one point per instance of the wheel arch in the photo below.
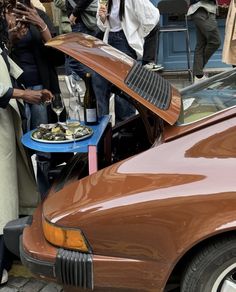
(178, 269)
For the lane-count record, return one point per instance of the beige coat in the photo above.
(229, 48)
(18, 193)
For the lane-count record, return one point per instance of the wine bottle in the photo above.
(90, 103)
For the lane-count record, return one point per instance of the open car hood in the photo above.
(146, 87)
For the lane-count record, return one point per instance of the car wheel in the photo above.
(213, 269)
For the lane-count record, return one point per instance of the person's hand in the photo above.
(16, 30)
(102, 12)
(37, 96)
(47, 96)
(72, 19)
(26, 15)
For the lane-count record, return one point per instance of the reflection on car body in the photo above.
(163, 214)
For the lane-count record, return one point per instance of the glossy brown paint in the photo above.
(173, 132)
(152, 208)
(34, 242)
(112, 65)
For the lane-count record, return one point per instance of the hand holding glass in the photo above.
(57, 105)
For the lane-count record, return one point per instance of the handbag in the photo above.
(88, 15)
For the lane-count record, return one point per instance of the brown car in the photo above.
(162, 215)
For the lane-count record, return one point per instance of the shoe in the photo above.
(196, 79)
(153, 67)
(4, 277)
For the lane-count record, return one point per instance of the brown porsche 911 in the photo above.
(162, 215)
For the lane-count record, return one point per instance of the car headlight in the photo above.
(68, 238)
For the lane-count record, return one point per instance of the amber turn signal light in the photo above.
(68, 238)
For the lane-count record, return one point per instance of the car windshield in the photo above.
(206, 99)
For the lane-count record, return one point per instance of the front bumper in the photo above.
(69, 268)
(12, 232)
(36, 266)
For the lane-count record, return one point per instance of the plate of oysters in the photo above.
(61, 132)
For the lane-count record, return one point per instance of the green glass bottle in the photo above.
(90, 103)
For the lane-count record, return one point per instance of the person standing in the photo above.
(150, 47)
(125, 24)
(64, 23)
(229, 47)
(18, 190)
(76, 10)
(203, 13)
(64, 27)
(39, 72)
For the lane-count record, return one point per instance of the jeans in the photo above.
(102, 88)
(75, 66)
(208, 39)
(36, 114)
(67, 66)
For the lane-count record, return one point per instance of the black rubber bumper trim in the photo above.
(12, 232)
(70, 268)
(36, 266)
(74, 268)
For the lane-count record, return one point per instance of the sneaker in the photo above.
(196, 79)
(153, 67)
(4, 277)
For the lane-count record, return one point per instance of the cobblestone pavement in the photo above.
(21, 280)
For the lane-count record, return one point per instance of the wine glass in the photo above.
(73, 127)
(74, 116)
(57, 105)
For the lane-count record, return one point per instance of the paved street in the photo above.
(21, 280)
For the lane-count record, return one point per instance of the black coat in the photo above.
(46, 58)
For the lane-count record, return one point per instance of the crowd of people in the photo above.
(28, 77)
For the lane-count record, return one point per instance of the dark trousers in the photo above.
(102, 88)
(6, 257)
(150, 46)
(208, 39)
(72, 64)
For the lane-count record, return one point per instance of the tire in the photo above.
(213, 269)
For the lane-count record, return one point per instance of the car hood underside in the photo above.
(147, 89)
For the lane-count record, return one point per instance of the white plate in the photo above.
(62, 141)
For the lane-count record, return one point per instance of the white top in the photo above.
(209, 6)
(139, 19)
(114, 19)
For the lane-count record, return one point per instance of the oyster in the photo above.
(47, 126)
(61, 132)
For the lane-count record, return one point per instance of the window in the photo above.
(205, 100)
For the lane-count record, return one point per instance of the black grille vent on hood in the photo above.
(150, 86)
